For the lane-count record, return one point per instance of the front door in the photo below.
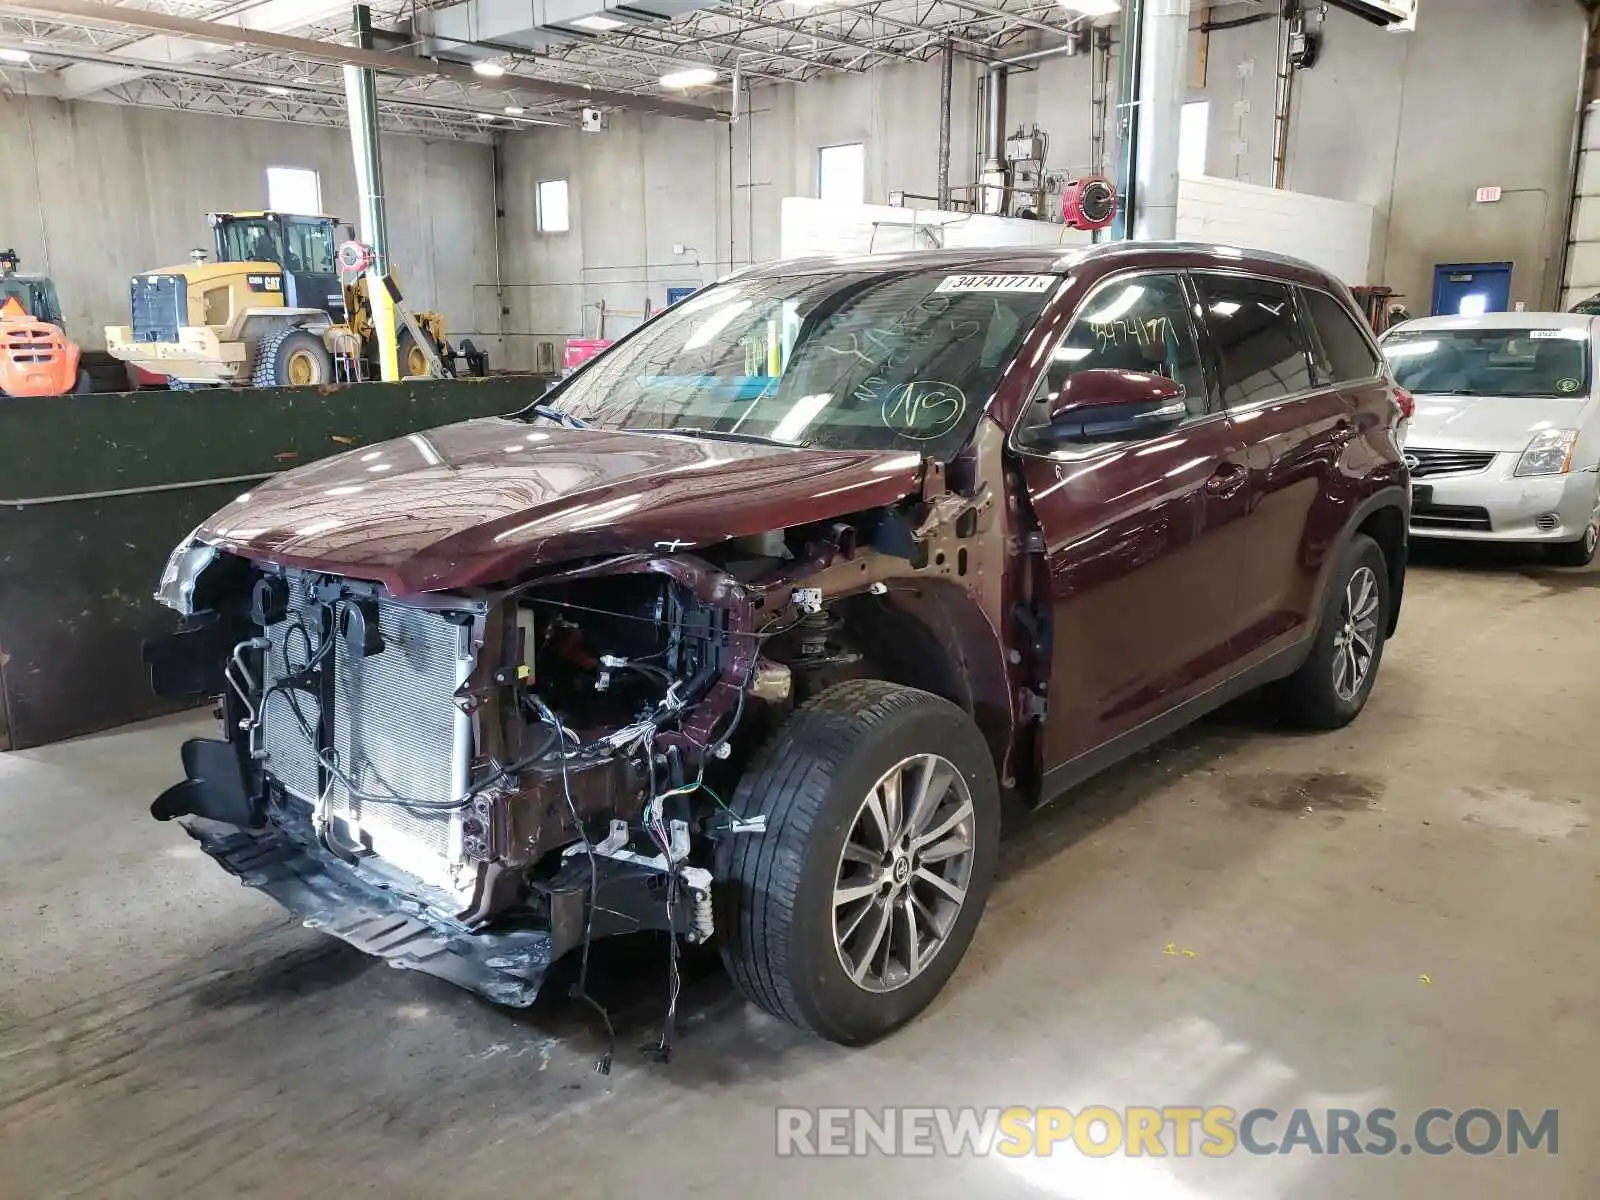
(1141, 535)
(1468, 289)
(311, 275)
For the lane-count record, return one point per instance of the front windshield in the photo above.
(36, 296)
(1491, 362)
(250, 240)
(862, 360)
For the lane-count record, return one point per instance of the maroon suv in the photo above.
(744, 630)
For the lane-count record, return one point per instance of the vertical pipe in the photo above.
(947, 65)
(361, 96)
(1128, 88)
(1283, 98)
(1163, 85)
(1099, 86)
(497, 182)
(994, 114)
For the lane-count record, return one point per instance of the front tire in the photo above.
(1332, 686)
(292, 358)
(1581, 552)
(851, 912)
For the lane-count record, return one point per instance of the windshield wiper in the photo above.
(716, 435)
(556, 415)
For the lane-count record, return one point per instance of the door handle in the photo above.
(1226, 480)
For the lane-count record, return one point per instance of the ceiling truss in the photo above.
(764, 41)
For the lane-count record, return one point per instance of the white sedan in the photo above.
(1505, 442)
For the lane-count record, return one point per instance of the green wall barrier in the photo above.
(96, 490)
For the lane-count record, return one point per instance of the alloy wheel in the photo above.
(903, 873)
(1356, 641)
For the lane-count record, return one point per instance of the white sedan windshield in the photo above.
(1491, 362)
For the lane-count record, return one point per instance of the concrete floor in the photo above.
(164, 1032)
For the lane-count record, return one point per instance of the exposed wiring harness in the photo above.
(580, 990)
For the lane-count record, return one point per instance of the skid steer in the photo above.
(271, 310)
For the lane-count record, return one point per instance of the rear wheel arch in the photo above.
(1383, 516)
(1386, 525)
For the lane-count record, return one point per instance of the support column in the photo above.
(947, 62)
(361, 100)
(1163, 86)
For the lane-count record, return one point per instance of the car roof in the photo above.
(1058, 260)
(1501, 320)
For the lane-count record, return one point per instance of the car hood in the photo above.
(1497, 423)
(482, 501)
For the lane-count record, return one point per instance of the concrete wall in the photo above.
(1484, 92)
(93, 193)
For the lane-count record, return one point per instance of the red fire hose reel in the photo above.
(1089, 203)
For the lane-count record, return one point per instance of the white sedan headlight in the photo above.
(1549, 453)
(184, 568)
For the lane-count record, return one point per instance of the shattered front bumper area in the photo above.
(330, 896)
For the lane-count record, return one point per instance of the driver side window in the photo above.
(1138, 324)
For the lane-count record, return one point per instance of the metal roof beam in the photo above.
(213, 31)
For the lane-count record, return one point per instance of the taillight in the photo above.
(1407, 403)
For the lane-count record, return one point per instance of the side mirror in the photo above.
(1103, 405)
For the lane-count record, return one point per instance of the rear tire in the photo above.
(413, 362)
(1332, 686)
(797, 914)
(292, 358)
(84, 385)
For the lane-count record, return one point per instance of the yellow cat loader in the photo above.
(270, 311)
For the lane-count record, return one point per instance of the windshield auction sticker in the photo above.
(997, 283)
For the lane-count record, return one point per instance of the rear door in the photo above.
(1142, 536)
(1295, 422)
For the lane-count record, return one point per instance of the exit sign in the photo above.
(1490, 195)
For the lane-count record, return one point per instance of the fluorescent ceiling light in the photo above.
(693, 77)
(489, 70)
(484, 116)
(1091, 8)
(14, 56)
(597, 24)
(275, 90)
(515, 110)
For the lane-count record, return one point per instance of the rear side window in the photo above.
(1257, 337)
(1349, 354)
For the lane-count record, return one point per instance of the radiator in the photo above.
(396, 733)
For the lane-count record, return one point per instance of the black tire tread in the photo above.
(1568, 554)
(265, 374)
(788, 781)
(1306, 698)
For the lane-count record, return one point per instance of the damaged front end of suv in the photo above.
(494, 691)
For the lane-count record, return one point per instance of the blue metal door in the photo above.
(1467, 289)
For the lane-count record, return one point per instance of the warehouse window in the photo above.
(842, 173)
(552, 206)
(293, 190)
(1193, 125)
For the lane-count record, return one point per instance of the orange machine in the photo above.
(37, 358)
